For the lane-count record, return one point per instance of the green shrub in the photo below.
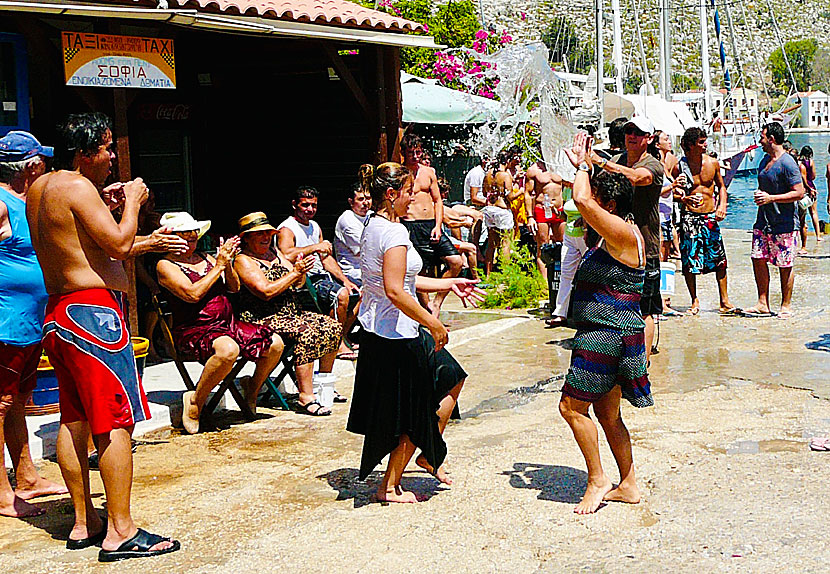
(517, 284)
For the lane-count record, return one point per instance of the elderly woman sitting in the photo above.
(268, 299)
(203, 321)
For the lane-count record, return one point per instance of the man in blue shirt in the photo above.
(776, 226)
(22, 303)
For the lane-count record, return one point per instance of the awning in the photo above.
(425, 102)
(225, 23)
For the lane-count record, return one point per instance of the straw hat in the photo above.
(183, 221)
(256, 221)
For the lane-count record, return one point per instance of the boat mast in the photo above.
(618, 59)
(600, 64)
(647, 89)
(704, 58)
(665, 49)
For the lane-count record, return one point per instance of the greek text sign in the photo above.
(102, 60)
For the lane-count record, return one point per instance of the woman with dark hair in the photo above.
(808, 172)
(268, 299)
(203, 322)
(609, 356)
(669, 244)
(407, 384)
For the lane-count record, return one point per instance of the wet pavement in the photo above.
(728, 481)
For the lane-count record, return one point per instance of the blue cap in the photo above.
(20, 146)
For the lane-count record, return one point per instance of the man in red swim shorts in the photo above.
(543, 192)
(80, 247)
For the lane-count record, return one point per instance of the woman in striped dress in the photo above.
(609, 359)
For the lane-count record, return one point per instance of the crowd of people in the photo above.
(397, 252)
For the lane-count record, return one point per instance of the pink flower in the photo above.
(426, 27)
(523, 15)
(481, 35)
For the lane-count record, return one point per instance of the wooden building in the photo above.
(267, 95)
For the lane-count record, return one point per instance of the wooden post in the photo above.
(122, 150)
(392, 101)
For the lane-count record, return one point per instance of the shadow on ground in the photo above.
(822, 344)
(555, 483)
(347, 485)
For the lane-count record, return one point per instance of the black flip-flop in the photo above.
(757, 314)
(338, 398)
(303, 409)
(94, 540)
(138, 547)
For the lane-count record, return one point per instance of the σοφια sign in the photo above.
(102, 60)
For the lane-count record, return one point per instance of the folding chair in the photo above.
(272, 383)
(227, 384)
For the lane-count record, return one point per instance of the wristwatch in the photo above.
(584, 167)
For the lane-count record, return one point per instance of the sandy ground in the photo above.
(728, 482)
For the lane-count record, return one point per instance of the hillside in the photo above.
(797, 19)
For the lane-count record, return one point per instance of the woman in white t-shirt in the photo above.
(404, 375)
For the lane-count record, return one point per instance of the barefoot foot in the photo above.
(190, 413)
(441, 475)
(16, 507)
(41, 487)
(397, 494)
(624, 493)
(594, 495)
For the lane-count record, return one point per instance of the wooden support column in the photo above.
(392, 103)
(122, 150)
(382, 151)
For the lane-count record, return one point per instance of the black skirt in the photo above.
(398, 387)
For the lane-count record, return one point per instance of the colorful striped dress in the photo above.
(609, 345)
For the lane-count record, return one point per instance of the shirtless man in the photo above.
(543, 196)
(80, 248)
(425, 220)
(701, 245)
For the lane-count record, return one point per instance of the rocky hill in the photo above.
(754, 33)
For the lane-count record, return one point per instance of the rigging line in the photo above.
(755, 59)
(736, 55)
(783, 51)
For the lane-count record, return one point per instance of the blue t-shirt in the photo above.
(780, 178)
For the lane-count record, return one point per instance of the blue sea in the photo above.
(742, 209)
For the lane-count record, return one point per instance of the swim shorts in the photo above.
(651, 302)
(86, 339)
(701, 245)
(430, 251)
(18, 369)
(603, 358)
(539, 216)
(776, 249)
(327, 291)
(666, 227)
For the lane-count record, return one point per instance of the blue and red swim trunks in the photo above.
(86, 339)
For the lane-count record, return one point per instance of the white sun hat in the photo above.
(183, 221)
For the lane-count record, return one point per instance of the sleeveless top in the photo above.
(252, 309)
(213, 303)
(607, 292)
(22, 292)
(811, 181)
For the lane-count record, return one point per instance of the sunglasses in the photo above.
(633, 130)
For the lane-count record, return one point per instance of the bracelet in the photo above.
(603, 164)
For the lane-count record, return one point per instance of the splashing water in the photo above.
(527, 91)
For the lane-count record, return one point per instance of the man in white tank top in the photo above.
(300, 235)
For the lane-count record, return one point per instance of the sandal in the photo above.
(191, 425)
(557, 322)
(94, 540)
(320, 411)
(820, 443)
(138, 547)
(338, 398)
(350, 356)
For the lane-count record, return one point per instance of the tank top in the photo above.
(607, 292)
(305, 235)
(22, 292)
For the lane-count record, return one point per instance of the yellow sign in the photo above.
(101, 60)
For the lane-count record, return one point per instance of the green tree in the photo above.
(821, 70)
(800, 54)
(563, 42)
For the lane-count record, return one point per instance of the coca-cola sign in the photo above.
(167, 112)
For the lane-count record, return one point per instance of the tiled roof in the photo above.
(337, 12)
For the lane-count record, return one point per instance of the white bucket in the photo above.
(323, 386)
(667, 271)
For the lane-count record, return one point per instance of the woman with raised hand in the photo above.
(268, 298)
(404, 376)
(609, 356)
(203, 321)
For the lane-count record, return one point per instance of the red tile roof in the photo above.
(337, 12)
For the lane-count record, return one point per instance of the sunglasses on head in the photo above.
(635, 131)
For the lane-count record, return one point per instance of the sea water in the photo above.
(742, 210)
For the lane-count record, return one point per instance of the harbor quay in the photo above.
(727, 479)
